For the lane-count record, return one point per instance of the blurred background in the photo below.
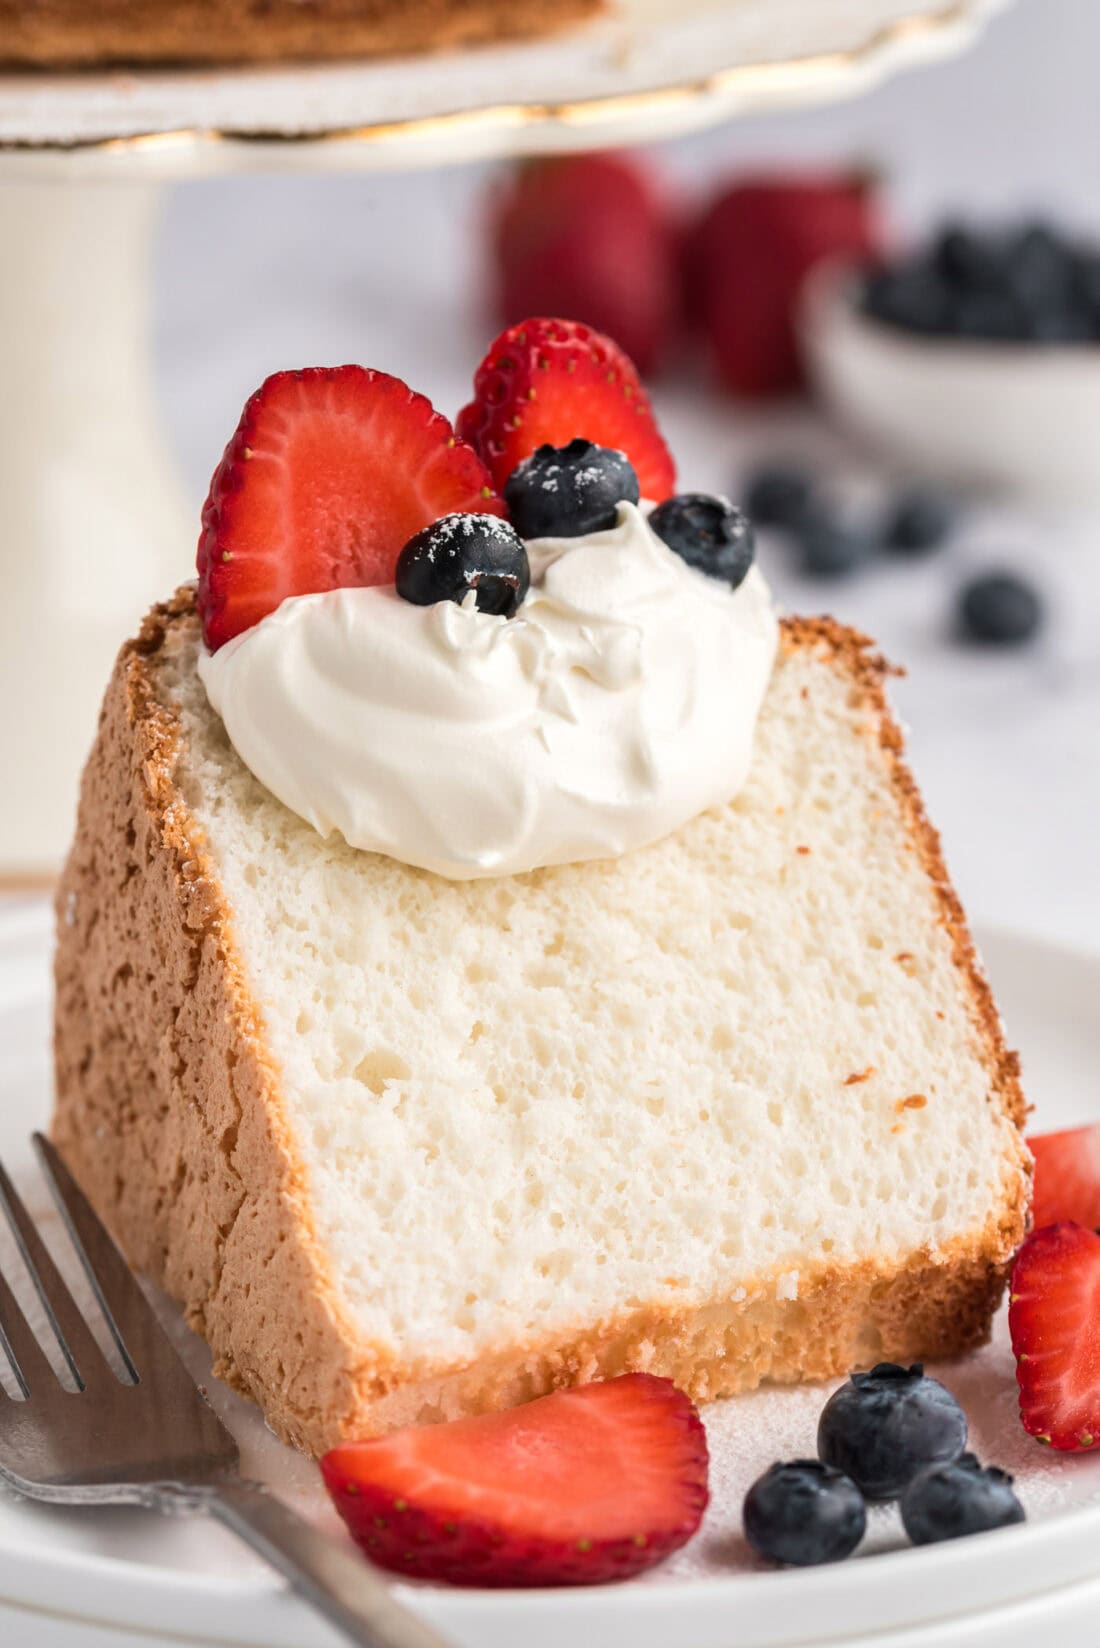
(257, 273)
(102, 483)
(409, 271)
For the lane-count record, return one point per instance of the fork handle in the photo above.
(342, 1587)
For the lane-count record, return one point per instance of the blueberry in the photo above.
(708, 533)
(884, 1427)
(804, 1513)
(460, 553)
(1040, 267)
(1000, 609)
(1086, 285)
(830, 547)
(566, 491)
(920, 520)
(778, 494)
(989, 317)
(951, 1501)
(910, 296)
(1069, 323)
(968, 259)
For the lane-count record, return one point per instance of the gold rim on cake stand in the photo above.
(789, 80)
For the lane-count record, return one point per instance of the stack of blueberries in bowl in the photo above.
(974, 357)
(1031, 284)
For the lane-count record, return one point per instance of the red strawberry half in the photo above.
(548, 381)
(1054, 1318)
(1067, 1177)
(329, 474)
(577, 1488)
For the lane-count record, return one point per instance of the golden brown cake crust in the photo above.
(168, 1109)
(869, 671)
(51, 34)
(166, 1100)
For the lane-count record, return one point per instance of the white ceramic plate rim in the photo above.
(909, 1588)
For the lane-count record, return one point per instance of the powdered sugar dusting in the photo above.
(749, 1433)
(550, 479)
(447, 533)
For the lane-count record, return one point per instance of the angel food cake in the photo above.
(498, 952)
(49, 34)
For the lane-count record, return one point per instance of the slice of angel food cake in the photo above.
(498, 952)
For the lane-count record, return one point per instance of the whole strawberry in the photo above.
(586, 236)
(745, 263)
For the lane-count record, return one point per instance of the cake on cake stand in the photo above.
(96, 524)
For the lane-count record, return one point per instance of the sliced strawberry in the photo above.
(1067, 1177)
(1054, 1319)
(577, 1488)
(329, 474)
(547, 381)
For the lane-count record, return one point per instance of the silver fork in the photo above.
(151, 1438)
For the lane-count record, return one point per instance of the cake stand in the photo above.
(95, 521)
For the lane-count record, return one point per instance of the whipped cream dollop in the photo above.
(618, 703)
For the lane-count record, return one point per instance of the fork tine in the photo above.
(26, 1358)
(129, 1315)
(73, 1335)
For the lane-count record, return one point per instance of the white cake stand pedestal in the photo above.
(92, 525)
(93, 522)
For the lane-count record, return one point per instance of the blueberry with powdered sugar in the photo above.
(462, 553)
(567, 491)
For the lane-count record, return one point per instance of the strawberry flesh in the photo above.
(1054, 1319)
(577, 1488)
(549, 381)
(1067, 1177)
(330, 472)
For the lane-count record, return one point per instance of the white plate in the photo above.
(647, 69)
(127, 1569)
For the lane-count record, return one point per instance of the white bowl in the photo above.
(1021, 417)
